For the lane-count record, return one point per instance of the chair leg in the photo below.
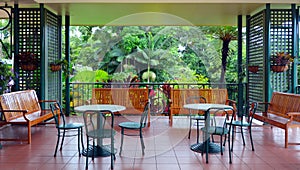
(225, 138)
(87, 150)
(242, 135)
(142, 142)
(221, 144)
(57, 142)
(82, 144)
(93, 149)
(78, 140)
(190, 128)
(122, 139)
(63, 138)
(250, 133)
(232, 138)
(229, 149)
(112, 153)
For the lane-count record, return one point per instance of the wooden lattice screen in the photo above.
(53, 32)
(29, 42)
(256, 53)
(280, 40)
(30, 36)
(281, 35)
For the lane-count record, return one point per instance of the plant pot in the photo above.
(28, 67)
(277, 68)
(55, 67)
(253, 69)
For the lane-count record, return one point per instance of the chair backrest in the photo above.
(56, 110)
(195, 99)
(218, 117)
(144, 115)
(252, 110)
(95, 122)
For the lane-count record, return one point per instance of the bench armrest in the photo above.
(293, 113)
(44, 101)
(23, 111)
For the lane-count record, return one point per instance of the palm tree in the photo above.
(226, 34)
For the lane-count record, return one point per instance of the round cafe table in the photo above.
(99, 150)
(206, 146)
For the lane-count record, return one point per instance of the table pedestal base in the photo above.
(99, 151)
(212, 147)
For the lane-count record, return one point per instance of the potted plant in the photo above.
(28, 61)
(6, 78)
(281, 61)
(253, 68)
(59, 64)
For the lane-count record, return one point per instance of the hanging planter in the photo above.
(28, 67)
(55, 67)
(253, 69)
(28, 61)
(281, 61)
(278, 68)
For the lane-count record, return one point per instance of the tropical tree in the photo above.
(226, 34)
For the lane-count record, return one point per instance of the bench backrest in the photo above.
(179, 96)
(283, 103)
(133, 99)
(20, 100)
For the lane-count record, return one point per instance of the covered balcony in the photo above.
(36, 26)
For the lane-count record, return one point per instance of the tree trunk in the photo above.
(225, 50)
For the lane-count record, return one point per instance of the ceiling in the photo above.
(153, 12)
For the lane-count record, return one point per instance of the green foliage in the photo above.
(5, 76)
(155, 48)
(85, 76)
(101, 76)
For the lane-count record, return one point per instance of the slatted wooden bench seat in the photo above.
(283, 111)
(133, 99)
(23, 108)
(178, 98)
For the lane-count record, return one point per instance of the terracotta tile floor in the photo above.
(166, 148)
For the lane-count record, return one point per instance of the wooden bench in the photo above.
(283, 111)
(133, 99)
(179, 96)
(23, 108)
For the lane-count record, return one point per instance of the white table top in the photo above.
(97, 107)
(206, 106)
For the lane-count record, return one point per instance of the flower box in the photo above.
(28, 67)
(253, 69)
(55, 67)
(278, 68)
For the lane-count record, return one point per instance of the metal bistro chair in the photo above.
(137, 126)
(218, 119)
(194, 115)
(68, 128)
(244, 122)
(99, 125)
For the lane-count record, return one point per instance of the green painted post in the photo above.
(43, 56)
(247, 59)
(294, 75)
(16, 40)
(267, 85)
(67, 40)
(240, 65)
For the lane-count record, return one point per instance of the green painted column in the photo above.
(43, 75)
(267, 84)
(16, 40)
(294, 82)
(67, 41)
(240, 66)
